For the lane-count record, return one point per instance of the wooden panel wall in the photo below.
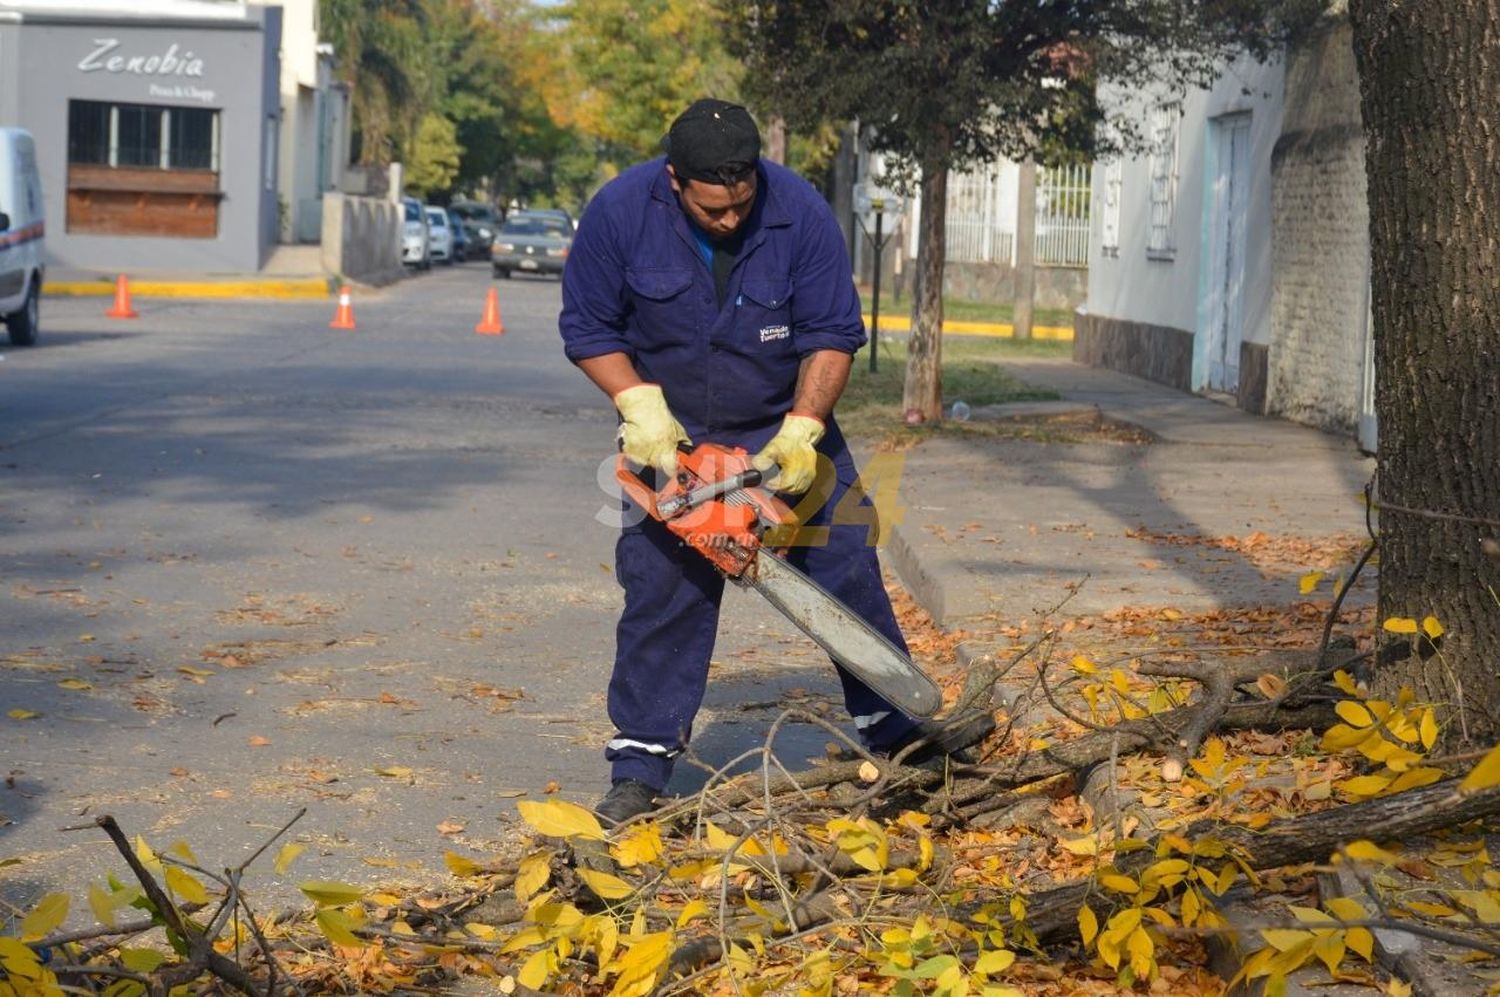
(181, 204)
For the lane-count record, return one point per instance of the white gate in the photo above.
(981, 220)
(1224, 309)
(1062, 215)
(983, 209)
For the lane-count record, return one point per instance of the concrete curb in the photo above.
(1003, 330)
(290, 289)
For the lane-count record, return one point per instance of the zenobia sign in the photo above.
(105, 58)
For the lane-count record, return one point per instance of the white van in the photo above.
(23, 229)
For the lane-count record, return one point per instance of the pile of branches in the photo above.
(775, 875)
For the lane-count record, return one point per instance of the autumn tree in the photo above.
(633, 65)
(1429, 81)
(945, 84)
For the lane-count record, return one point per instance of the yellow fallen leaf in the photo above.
(75, 684)
(459, 865)
(605, 886)
(286, 857)
(20, 714)
(560, 819)
(1080, 846)
(46, 916)
(1484, 775)
(328, 893)
(395, 772)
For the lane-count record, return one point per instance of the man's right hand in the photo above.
(650, 434)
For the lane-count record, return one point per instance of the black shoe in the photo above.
(947, 742)
(627, 798)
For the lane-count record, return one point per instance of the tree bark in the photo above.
(1430, 83)
(1025, 255)
(776, 139)
(922, 394)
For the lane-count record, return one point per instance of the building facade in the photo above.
(157, 126)
(1233, 258)
(1179, 286)
(315, 122)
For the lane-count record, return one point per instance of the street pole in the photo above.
(875, 305)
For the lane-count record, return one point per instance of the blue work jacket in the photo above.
(636, 283)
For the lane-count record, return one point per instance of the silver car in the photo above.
(416, 249)
(531, 243)
(439, 236)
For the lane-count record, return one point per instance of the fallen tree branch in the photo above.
(1053, 913)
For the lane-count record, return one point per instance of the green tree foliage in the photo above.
(432, 159)
(451, 88)
(942, 84)
(631, 66)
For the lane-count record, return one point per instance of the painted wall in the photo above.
(305, 80)
(239, 59)
(1129, 286)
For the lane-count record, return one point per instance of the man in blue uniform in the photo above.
(708, 293)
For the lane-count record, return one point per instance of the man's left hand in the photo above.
(791, 449)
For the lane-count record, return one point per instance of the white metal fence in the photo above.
(982, 212)
(982, 215)
(1062, 215)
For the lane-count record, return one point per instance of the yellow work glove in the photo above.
(650, 434)
(791, 449)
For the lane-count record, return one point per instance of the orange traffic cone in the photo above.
(121, 307)
(343, 318)
(490, 324)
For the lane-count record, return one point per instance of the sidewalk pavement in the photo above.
(1214, 513)
(290, 273)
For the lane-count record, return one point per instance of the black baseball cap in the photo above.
(713, 141)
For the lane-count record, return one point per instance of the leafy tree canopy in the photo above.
(955, 82)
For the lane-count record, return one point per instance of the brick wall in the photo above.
(1320, 244)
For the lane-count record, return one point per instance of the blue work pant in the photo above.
(666, 634)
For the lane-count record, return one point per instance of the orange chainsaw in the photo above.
(717, 507)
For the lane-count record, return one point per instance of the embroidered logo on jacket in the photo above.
(772, 332)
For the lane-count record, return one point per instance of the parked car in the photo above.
(480, 222)
(23, 229)
(460, 238)
(555, 213)
(439, 235)
(415, 248)
(532, 243)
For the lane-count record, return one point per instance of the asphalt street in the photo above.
(249, 564)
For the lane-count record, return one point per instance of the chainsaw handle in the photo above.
(634, 487)
(679, 504)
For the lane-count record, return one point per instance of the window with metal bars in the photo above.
(142, 136)
(1160, 243)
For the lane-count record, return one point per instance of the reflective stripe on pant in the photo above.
(666, 634)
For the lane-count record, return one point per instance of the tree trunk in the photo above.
(776, 139)
(1430, 83)
(922, 395)
(1025, 255)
